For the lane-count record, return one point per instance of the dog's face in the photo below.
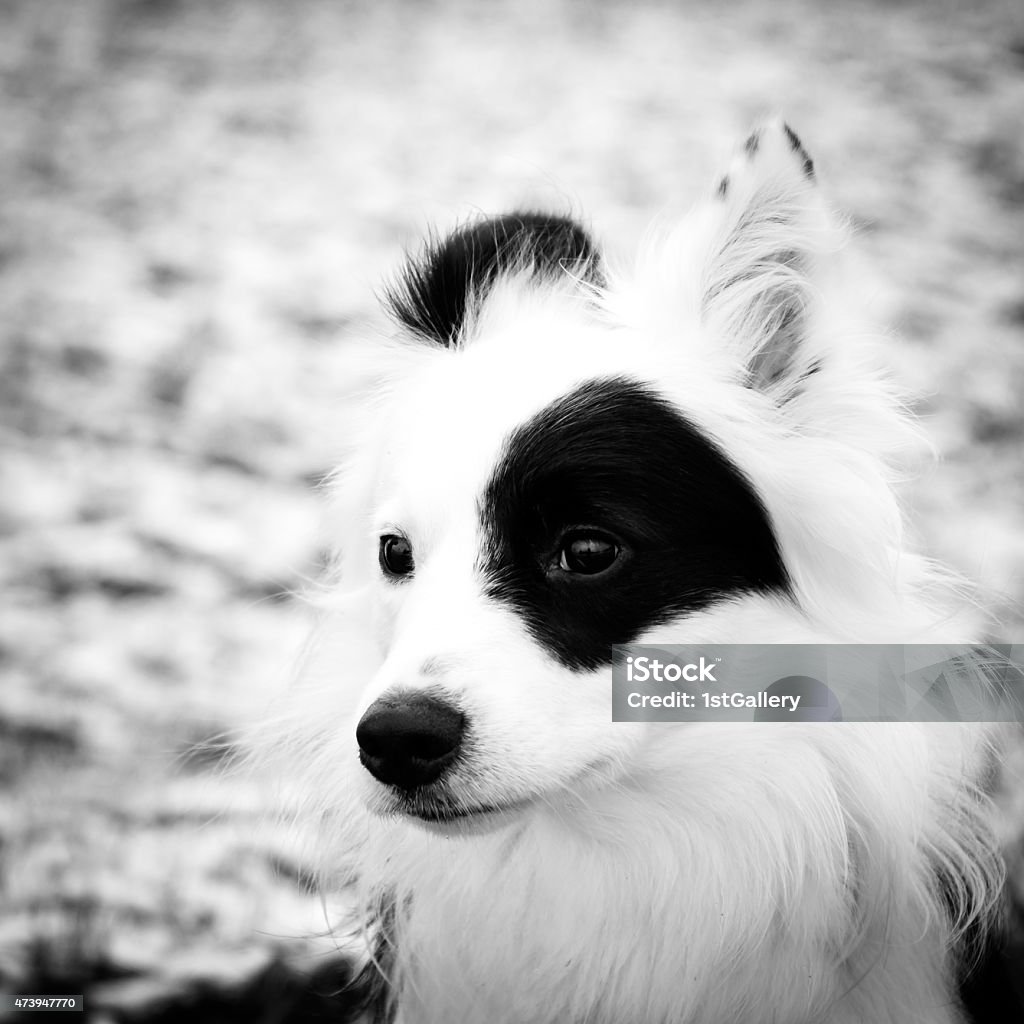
(519, 529)
(554, 463)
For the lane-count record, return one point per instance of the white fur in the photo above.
(653, 873)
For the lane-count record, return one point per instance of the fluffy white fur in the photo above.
(694, 874)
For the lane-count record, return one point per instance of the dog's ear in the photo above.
(766, 229)
(439, 294)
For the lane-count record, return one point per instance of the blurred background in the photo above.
(197, 201)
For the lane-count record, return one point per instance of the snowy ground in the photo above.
(196, 202)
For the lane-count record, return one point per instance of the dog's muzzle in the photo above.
(408, 739)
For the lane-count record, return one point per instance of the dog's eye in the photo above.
(587, 554)
(396, 555)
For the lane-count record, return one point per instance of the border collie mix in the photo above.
(547, 458)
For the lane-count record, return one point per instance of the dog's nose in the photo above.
(408, 739)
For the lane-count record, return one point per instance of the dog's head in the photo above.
(554, 458)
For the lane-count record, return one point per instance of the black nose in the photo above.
(408, 739)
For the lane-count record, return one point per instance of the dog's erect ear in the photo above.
(440, 292)
(768, 225)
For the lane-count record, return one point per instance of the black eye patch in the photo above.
(614, 466)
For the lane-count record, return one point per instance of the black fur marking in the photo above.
(723, 187)
(615, 456)
(798, 147)
(753, 144)
(437, 291)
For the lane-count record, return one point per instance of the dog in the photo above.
(546, 457)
